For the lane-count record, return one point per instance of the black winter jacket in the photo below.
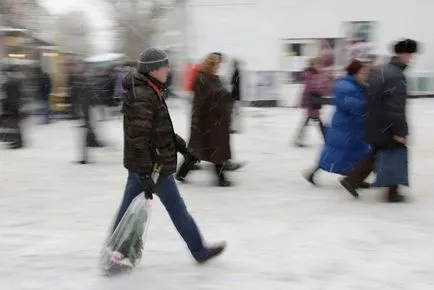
(386, 104)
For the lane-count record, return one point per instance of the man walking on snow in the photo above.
(149, 139)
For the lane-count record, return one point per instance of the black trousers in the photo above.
(11, 130)
(187, 166)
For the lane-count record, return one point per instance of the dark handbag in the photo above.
(315, 100)
(391, 167)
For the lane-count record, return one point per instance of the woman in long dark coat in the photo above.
(210, 121)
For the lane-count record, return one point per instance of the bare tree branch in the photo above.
(137, 23)
(73, 32)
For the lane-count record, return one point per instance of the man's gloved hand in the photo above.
(180, 145)
(148, 186)
(191, 158)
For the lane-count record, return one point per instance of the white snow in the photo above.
(282, 233)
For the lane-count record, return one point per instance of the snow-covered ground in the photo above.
(282, 233)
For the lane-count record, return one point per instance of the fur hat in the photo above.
(152, 59)
(406, 46)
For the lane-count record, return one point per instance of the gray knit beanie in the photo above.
(151, 59)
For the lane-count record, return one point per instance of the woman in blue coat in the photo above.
(345, 144)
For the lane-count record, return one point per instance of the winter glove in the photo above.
(191, 158)
(180, 145)
(148, 186)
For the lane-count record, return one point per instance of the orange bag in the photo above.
(190, 76)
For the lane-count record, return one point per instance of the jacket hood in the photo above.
(133, 79)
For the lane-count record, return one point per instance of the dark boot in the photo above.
(364, 185)
(15, 145)
(232, 166)
(309, 176)
(183, 171)
(349, 187)
(196, 167)
(221, 178)
(213, 251)
(394, 196)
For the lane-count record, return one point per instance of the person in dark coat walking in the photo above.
(210, 121)
(74, 92)
(11, 117)
(87, 99)
(44, 83)
(386, 122)
(236, 97)
(149, 140)
(345, 145)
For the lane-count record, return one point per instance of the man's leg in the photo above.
(358, 174)
(132, 189)
(169, 195)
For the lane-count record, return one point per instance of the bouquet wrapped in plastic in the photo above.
(123, 249)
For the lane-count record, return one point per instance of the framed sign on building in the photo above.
(358, 42)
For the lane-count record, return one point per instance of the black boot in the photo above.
(15, 145)
(350, 188)
(183, 171)
(222, 181)
(196, 167)
(364, 185)
(394, 196)
(213, 251)
(309, 176)
(232, 166)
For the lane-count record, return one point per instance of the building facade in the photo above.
(278, 36)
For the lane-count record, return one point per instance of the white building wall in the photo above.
(252, 29)
(395, 19)
(238, 28)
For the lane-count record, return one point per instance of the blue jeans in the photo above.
(169, 195)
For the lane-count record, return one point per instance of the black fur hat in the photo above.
(406, 46)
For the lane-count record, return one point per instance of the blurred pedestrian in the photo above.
(345, 144)
(11, 110)
(210, 121)
(386, 125)
(236, 97)
(44, 85)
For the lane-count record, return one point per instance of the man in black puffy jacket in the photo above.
(149, 140)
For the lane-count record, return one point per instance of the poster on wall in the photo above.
(298, 52)
(358, 41)
(262, 88)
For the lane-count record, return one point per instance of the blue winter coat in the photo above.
(345, 144)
